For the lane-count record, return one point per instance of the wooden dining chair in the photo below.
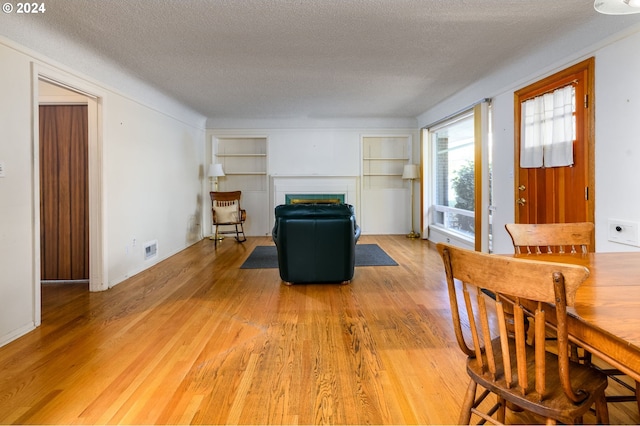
(567, 238)
(226, 211)
(529, 378)
(551, 237)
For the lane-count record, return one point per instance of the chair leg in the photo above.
(613, 374)
(238, 232)
(502, 411)
(602, 411)
(574, 354)
(215, 238)
(469, 401)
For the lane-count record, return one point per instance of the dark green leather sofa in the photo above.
(316, 242)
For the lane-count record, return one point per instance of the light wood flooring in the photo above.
(195, 339)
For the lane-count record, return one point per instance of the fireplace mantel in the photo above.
(284, 185)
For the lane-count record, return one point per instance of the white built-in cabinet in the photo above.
(385, 195)
(244, 161)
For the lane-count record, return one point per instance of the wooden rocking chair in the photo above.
(226, 211)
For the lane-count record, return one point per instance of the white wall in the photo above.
(617, 137)
(503, 169)
(152, 178)
(17, 289)
(617, 106)
(154, 169)
(323, 152)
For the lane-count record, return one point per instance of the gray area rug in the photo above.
(366, 255)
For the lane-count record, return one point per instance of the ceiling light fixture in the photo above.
(617, 7)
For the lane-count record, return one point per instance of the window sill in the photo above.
(440, 234)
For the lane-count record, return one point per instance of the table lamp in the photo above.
(215, 171)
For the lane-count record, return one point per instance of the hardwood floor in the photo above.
(196, 339)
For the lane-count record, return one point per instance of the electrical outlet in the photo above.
(623, 232)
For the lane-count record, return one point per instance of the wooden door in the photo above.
(64, 221)
(559, 194)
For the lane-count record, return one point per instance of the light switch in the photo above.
(623, 231)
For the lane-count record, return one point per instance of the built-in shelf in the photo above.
(245, 164)
(384, 195)
(244, 161)
(383, 160)
(241, 155)
(244, 173)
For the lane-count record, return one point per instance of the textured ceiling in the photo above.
(313, 58)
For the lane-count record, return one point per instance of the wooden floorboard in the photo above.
(197, 340)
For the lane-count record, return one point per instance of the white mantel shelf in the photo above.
(283, 185)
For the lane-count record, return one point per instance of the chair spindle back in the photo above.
(551, 237)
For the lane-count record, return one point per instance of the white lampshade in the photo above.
(411, 171)
(617, 7)
(215, 170)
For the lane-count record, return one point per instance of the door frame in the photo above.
(97, 260)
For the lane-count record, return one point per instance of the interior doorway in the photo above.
(64, 218)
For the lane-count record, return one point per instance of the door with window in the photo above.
(554, 164)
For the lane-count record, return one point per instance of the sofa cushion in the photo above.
(314, 210)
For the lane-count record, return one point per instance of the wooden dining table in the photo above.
(606, 317)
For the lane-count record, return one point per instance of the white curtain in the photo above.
(548, 129)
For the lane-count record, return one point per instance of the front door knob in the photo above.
(521, 201)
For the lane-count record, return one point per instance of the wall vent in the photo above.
(150, 249)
